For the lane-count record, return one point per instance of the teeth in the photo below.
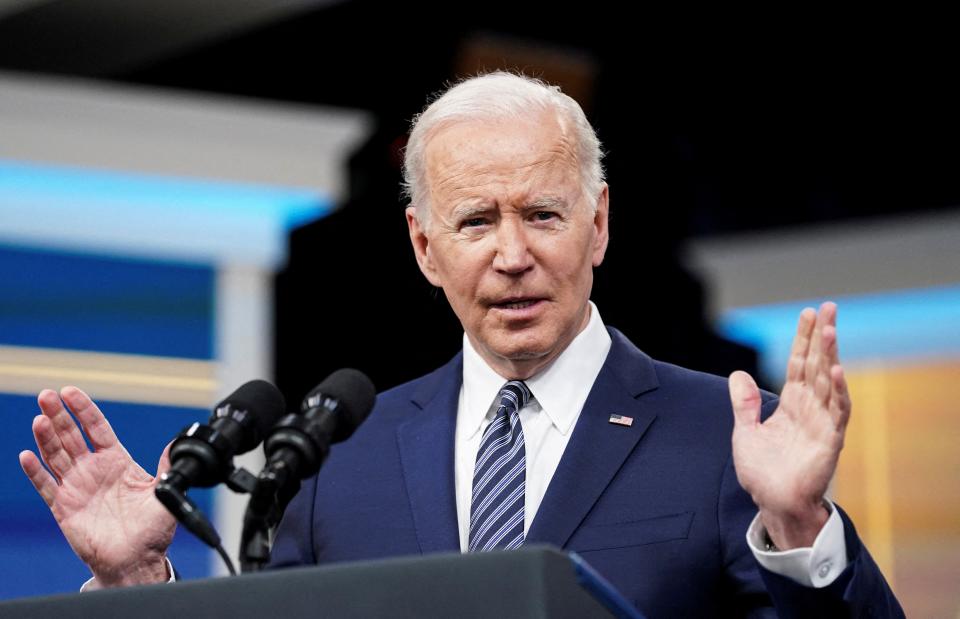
(520, 305)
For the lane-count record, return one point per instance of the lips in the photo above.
(519, 310)
(516, 303)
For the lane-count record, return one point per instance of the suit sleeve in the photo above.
(859, 591)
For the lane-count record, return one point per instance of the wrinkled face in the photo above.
(511, 238)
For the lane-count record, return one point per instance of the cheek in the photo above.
(568, 266)
(460, 279)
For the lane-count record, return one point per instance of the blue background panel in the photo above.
(902, 325)
(102, 195)
(86, 302)
(36, 559)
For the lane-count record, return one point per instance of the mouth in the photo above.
(515, 304)
(518, 306)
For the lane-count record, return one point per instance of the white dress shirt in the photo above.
(558, 394)
(558, 391)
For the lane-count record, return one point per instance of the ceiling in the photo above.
(734, 122)
(109, 37)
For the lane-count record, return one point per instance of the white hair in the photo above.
(498, 95)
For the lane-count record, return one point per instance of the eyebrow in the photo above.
(476, 208)
(466, 210)
(547, 202)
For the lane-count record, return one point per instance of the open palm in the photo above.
(102, 500)
(786, 462)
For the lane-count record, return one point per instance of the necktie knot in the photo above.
(514, 395)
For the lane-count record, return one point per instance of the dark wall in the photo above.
(712, 122)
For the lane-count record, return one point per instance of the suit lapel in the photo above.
(597, 448)
(426, 444)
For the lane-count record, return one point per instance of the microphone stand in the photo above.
(296, 443)
(273, 491)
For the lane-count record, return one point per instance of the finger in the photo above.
(63, 424)
(801, 343)
(822, 381)
(829, 348)
(96, 426)
(812, 361)
(840, 404)
(745, 399)
(51, 449)
(45, 484)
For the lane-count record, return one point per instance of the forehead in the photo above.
(467, 158)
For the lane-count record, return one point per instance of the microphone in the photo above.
(202, 455)
(299, 443)
(296, 448)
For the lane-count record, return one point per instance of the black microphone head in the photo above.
(354, 396)
(256, 405)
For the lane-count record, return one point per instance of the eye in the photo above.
(473, 222)
(544, 215)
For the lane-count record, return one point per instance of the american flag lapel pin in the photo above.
(621, 420)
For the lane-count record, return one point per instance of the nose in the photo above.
(513, 250)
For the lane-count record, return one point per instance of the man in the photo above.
(548, 427)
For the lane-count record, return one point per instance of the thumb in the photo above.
(164, 465)
(745, 399)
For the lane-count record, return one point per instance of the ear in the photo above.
(600, 228)
(421, 247)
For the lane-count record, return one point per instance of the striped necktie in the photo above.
(499, 478)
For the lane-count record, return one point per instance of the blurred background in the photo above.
(194, 194)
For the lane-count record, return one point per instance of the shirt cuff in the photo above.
(817, 566)
(93, 585)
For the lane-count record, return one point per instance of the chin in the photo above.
(525, 355)
(526, 351)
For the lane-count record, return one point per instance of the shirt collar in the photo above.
(559, 390)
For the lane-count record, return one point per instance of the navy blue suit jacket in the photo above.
(654, 507)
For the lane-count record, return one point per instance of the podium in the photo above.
(532, 582)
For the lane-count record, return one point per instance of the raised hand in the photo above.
(787, 462)
(102, 499)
